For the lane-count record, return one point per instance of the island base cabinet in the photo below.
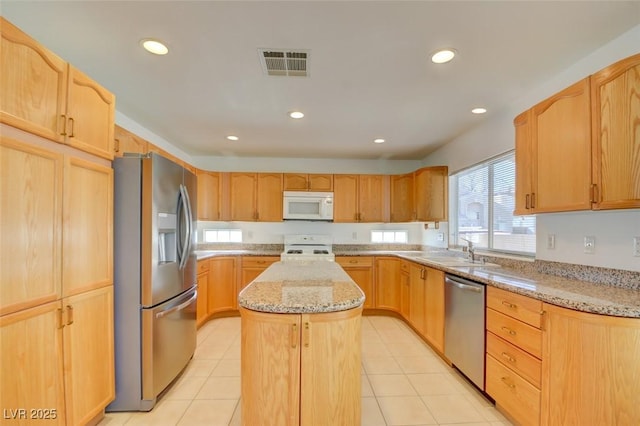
(590, 369)
(301, 369)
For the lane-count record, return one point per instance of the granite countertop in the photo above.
(205, 254)
(296, 287)
(619, 296)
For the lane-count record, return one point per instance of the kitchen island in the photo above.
(300, 347)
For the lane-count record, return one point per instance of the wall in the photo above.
(613, 230)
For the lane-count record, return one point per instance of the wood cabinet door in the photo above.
(202, 312)
(590, 371)
(417, 298)
(562, 151)
(125, 142)
(388, 283)
(90, 115)
(88, 354)
(269, 197)
(209, 192)
(434, 295)
(330, 379)
(372, 199)
(270, 363)
(431, 189)
(615, 97)
(320, 182)
(87, 226)
(524, 163)
(252, 266)
(345, 198)
(221, 293)
(402, 198)
(31, 362)
(405, 281)
(31, 205)
(243, 196)
(295, 181)
(33, 83)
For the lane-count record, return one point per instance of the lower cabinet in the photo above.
(202, 310)
(221, 291)
(296, 369)
(405, 280)
(252, 266)
(434, 311)
(591, 369)
(388, 283)
(514, 350)
(63, 372)
(417, 298)
(360, 269)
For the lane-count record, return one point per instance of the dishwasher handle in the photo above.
(464, 284)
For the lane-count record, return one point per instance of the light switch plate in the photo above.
(551, 241)
(636, 246)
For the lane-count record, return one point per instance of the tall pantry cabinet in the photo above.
(56, 250)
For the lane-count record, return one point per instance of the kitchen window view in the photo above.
(483, 198)
(390, 236)
(222, 236)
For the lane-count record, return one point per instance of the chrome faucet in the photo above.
(470, 249)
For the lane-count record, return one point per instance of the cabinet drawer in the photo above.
(352, 261)
(512, 393)
(515, 332)
(258, 261)
(203, 266)
(526, 365)
(520, 307)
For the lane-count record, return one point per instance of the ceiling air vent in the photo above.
(284, 62)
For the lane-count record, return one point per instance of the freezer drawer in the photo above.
(168, 342)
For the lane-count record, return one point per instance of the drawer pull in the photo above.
(294, 335)
(507, 382)
(508, 330)
(353, 261)
(509, 305)
(508, 357)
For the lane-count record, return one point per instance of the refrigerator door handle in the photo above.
(189, 220)
(178, 307)
(183, 215)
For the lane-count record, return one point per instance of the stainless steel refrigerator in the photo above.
(154, 278)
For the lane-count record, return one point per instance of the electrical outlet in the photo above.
(636, 246)
(589, 245)
(440, 236)
(551, 241)
(354, 236)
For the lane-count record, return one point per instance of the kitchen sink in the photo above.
(456, 261)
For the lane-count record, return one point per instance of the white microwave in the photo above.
(301, 205)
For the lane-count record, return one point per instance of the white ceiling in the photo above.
(370, 72)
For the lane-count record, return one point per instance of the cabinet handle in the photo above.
(117, 145)
(509, 305)
(261, 261)
(353, 261)
(73, 125)
(508, 330)
(59, 317)
(64, 125)
(69, 314)
(594, 193)
(294, 336)
(305, 335)
(526, 202)
(533, 200)
(508, 357)
(507, 382)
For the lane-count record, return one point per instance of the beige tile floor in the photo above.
(403, 383)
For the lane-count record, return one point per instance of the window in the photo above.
(222, 235)
(389, 236)
(483, 199)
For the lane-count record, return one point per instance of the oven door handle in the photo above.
(178, 307)
(467, 287)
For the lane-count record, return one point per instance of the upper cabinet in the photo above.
(402, 198)
(308, 182)
(580, 148)
(209, 191)
(256, 196)
(126, 142)
(44, 95)
(615, 100)
(359, 198)
(431, 194)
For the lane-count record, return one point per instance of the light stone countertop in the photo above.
(295, 287)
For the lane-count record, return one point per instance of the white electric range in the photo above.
(307, 247)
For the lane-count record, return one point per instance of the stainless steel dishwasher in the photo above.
(464, 327)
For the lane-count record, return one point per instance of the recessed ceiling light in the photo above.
(154, 46)
(379, 140)
(479, 110)
(296, 114)
(443, 56)
(232, 138)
